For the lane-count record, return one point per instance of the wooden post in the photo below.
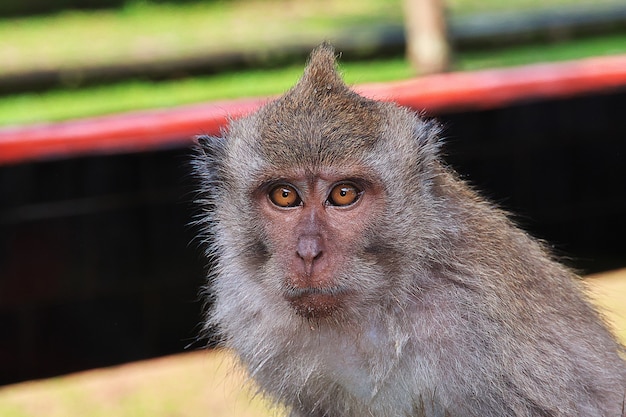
(426, 35)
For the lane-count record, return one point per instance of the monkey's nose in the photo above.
(309, 249)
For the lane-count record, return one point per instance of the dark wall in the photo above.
(98, 264)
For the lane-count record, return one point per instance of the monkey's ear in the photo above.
(204, 141)
(428, 136)
(428, 132)
(209, 145)
(209, 157)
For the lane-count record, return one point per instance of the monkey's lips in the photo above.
(312, 302)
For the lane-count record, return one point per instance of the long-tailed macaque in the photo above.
(356, 275)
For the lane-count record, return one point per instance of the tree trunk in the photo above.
(426, 35)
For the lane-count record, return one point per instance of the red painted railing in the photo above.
(144, 130)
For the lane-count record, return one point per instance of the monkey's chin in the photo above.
(315, 303)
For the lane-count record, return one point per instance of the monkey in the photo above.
(356, 274)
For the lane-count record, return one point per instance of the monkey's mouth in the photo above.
(312, 302)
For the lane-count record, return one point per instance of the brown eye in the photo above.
(343, 195)
(285, 196)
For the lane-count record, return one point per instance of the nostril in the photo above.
(309, 248)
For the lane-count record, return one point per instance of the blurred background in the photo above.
(98, 263)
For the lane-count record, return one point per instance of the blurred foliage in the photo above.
(477, 6)
(34, 7)
(140, 94)
(142, 32)
(148, 31)
(13, 8)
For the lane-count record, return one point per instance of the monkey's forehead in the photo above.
(332, 130)
(320, 127)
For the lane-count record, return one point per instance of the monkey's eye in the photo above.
(285, 196)
(343, 194)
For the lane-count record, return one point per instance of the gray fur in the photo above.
(459, 312)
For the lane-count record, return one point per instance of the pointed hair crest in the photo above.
(320, 121)
(321, 71)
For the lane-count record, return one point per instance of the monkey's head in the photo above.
(307, 197)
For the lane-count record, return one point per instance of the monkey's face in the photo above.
(315, 225)
(309, 200)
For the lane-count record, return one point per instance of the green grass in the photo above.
(461, 7)
(548, 52)
(65, 104)
(134, 95)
